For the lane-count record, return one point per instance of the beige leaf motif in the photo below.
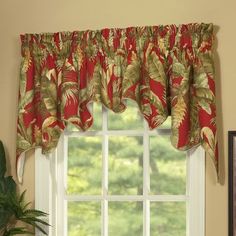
(69, 66)
(149, 49)
(205, 97)
(205, 93)
(22, 143)
(26, 61)
(156, 69)
(157, 103)
(48, 121)
(178, 112)
(104, 93)
(49, 103)
(146, 109)
(205, 105)
(180, 70)
(80, 56)
(211, 144)
(132, 73)
(51, 73)
(201, 80)
(28, 98)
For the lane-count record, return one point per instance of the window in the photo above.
(121, 179)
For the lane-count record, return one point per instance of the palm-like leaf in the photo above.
(12, 206)
(16, 231)
(2, 161)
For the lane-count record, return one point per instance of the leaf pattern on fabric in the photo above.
(166, 69)
(156, 69)
(132, 73)
(180, 109)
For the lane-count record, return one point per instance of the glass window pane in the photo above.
(125, 165)
(125, 218)
(84, 165)
(168, 219)
(167, 167)
(166, 124)
(84, 219)
(97, 117)
(129, 119)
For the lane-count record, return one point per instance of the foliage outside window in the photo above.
(125, 136)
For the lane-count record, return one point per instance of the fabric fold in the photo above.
(166, 69)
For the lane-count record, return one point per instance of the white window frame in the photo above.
(50, 185)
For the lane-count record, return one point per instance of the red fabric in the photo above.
(167, 70)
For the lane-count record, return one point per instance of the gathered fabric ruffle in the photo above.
(167, 70)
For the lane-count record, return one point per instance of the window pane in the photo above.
(84, 218)
(125, 219)
(97, 116)
(167, 167)
(129, 119)
(125, 165)
(84, 165)
(168, 219)
(166, 124)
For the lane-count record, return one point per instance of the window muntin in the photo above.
(123, 168)
(52, 185)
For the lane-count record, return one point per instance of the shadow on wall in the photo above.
(219, 115)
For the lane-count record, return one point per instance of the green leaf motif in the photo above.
(119, 66)
(22, 143)
(180, 70)
(69, 92)
(26, 61)
(104, 93)
(93, 89)
(28, 98)
(201, 80)
(205, 93)
(22, 84)
(156, 69)
(132, 73)
(178, 112)
(47, 122)
(210, 145)
(205, 105)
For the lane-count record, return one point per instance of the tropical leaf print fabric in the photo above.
(168, 70)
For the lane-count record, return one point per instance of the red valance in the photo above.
(166, 69)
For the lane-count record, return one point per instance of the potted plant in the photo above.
(13, 209)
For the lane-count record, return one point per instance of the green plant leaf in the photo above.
(10, 185)
(22, 196)
(30, 222)
(16, 231)
(3, 167)
(35, 212)
(5, 215)
(34, 219)
(12, 205)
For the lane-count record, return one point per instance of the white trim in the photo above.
(53, 193)
(146, 182)
(42, 186)
(46, 195)
(118, 133)
(61, 186)
(123, 198)
(104, 201)
(48, 179)
(196, 192)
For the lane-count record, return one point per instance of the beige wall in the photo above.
(20, 16)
